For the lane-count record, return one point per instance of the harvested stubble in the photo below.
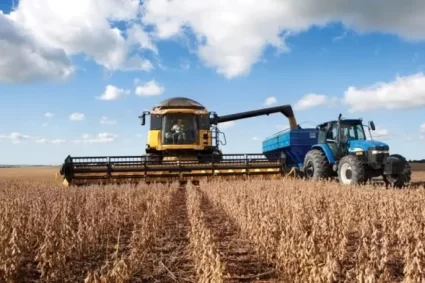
(292, 231)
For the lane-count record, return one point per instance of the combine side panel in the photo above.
(291, 144)
(134, 169)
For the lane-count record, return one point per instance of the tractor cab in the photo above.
(348, 136)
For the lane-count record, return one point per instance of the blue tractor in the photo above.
(338, 149)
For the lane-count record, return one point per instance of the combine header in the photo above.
(183, 145)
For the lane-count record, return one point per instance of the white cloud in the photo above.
(77, 117)
(58, 141)
(422, 128)
(46, 141)
(40, 36)
(16, 137)
(151, 88)
(226, 125)
(270, 101)
(100, 138)
(381, 133)
(28, 59)
(311, 100)
(49, 115)
(231, 35)
(401, 93)
(106, 121)
(340, 37)
(113, 93)
(256, 138)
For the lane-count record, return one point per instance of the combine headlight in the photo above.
(380, 151)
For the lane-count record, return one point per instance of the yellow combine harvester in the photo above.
(183, 145)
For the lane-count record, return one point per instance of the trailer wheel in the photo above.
(399, 180)
(316, 165)
(351, 171)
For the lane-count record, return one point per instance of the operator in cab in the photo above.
(178, 130)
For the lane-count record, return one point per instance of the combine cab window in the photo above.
(179, 128)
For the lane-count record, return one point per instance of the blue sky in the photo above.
(225, 67)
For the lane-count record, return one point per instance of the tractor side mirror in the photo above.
(372, 125)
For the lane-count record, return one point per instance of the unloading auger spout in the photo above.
(284, 109)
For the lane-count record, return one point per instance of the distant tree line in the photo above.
(17, 166)
(417, 161)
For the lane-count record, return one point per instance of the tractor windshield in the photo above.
(353, 131)
(179, 128)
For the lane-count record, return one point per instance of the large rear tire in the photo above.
(316, 165)
(399, 180)
(351, 171)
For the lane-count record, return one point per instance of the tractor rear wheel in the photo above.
(351, 171)
(399, 180)
(316, 165)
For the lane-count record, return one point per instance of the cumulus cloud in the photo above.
(41, 36)
(401, 93)
(151, 88)
(422, 128)
(381, 133)
(113, 93)
(106, 121)
(226, 125)
(76, 117)
(270, 101)
(100, 138)
(16, 137)
(27, 58)
(47, 141)
(49, 115)
(231, 35)
(311, 100)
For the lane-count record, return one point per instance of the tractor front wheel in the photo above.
(351, 171)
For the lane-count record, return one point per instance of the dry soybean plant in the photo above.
(307, 232)
(323, 232)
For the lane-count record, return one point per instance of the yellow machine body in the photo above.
(182, 145)
(202, 140)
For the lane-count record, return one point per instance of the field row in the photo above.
(258, 231)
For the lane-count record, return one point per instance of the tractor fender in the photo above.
(327, 150)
